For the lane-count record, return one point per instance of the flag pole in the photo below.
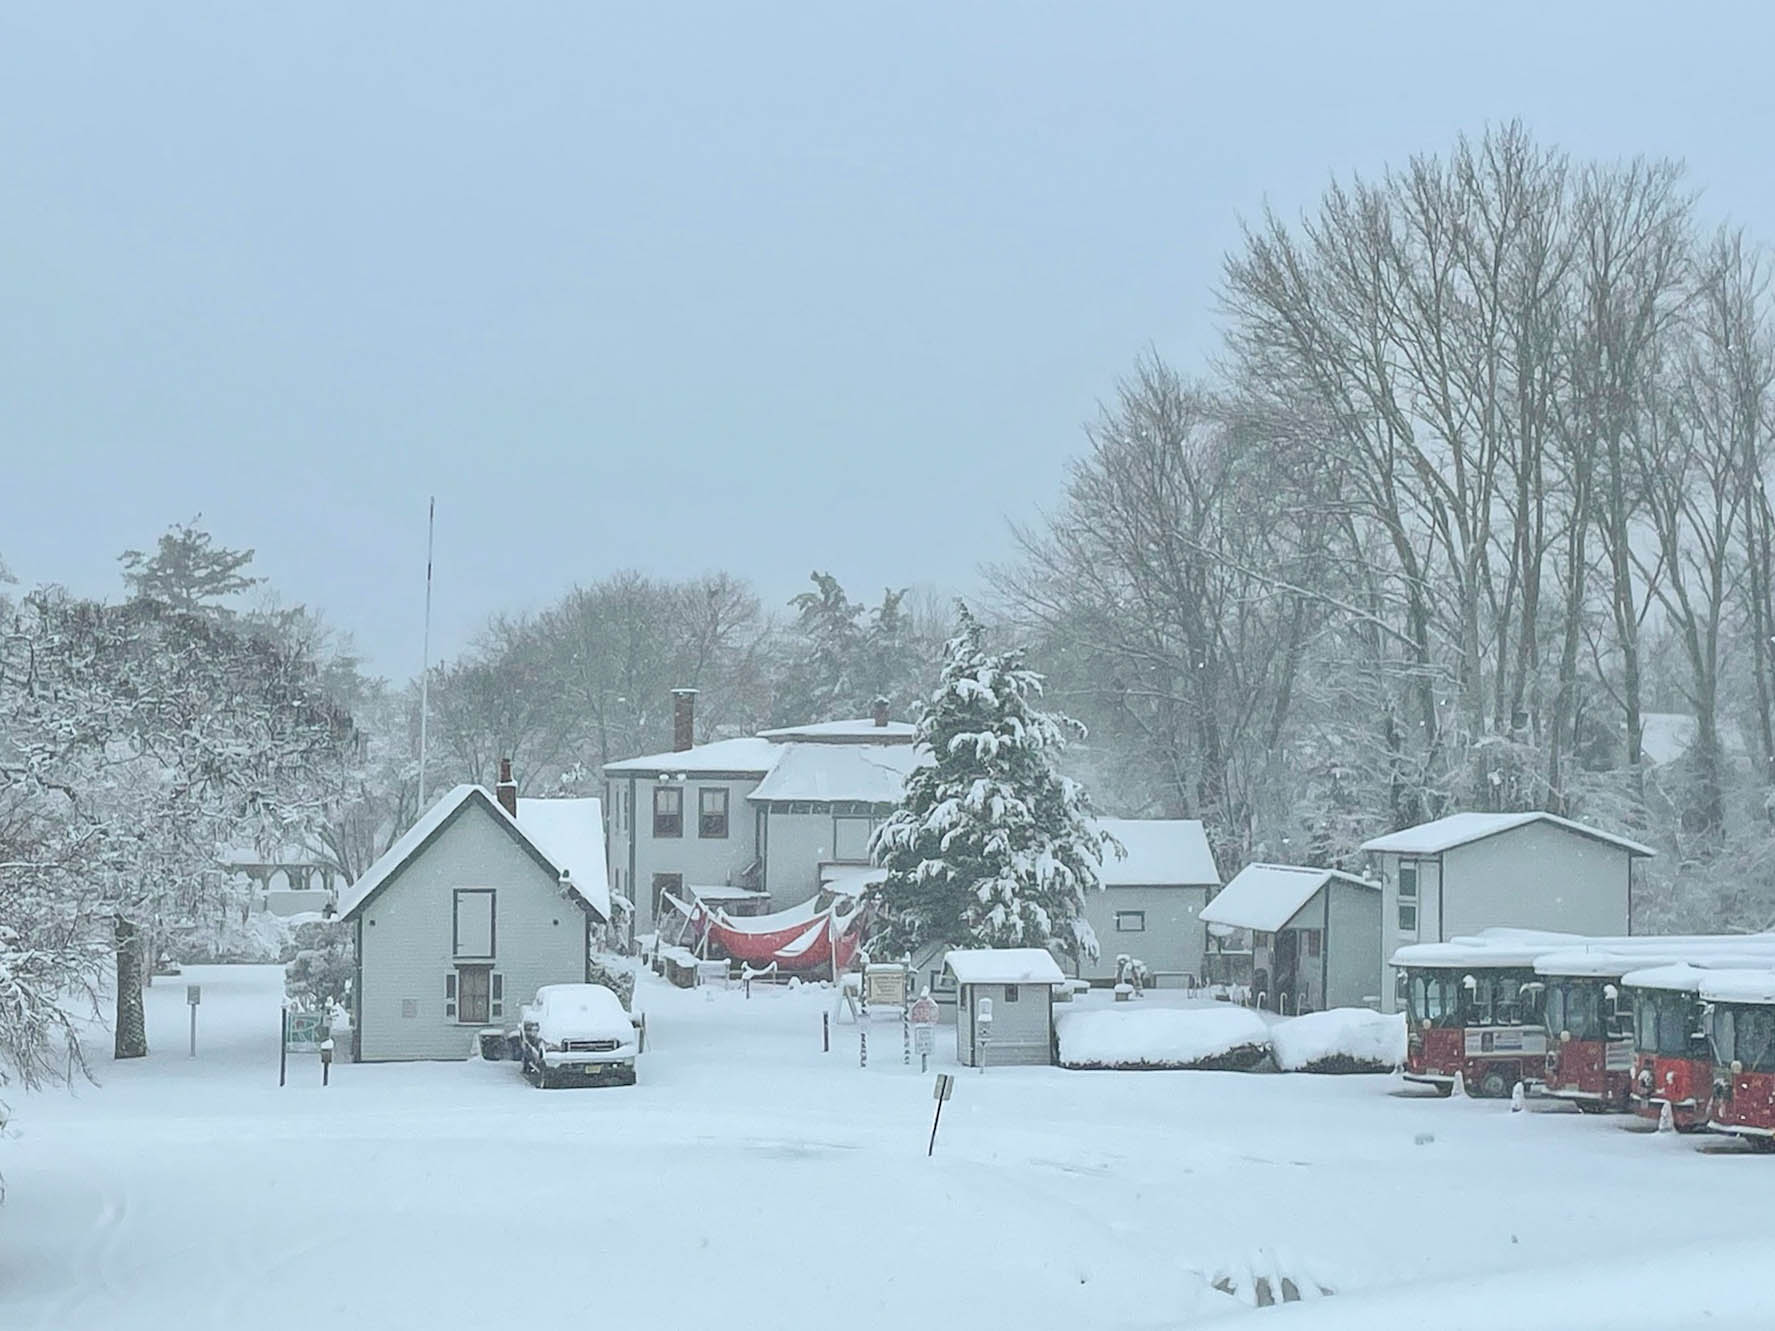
(431, 515)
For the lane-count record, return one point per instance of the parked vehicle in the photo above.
(1741, 1029)
(1473, 1008)
(578, 1034)
(1672, 1059)
(1589, 1028)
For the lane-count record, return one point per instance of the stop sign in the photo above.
(924, 1011)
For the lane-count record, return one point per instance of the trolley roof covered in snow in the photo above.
(1681, 977)
(1738, 986)
(1266, 896)
(1004, 965)
(1158, 852)
(1473, 953)
(1458, 829)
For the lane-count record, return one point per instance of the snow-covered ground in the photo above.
(752, 1181)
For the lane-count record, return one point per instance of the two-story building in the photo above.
(1471, 871)
(770, 815)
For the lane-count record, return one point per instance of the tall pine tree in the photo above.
(991, 846)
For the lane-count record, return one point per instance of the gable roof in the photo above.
(571, 833)
(432, 823)
(1266, 896)
(867, 773)
(1460, 829)
(750, 755)
(1161, 852)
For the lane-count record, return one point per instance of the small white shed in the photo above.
(1316, 934)
(1004, 1011)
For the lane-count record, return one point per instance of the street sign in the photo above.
(944, 1088)
(885, 986)
(924, 1011)
(924, 1039)
(983, 1012)
(194, 994)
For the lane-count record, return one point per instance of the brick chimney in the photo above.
(683, 719)
(881, 706)
(506, 792)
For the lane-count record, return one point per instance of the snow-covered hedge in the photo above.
(1217, 1038)
(1345, 1039)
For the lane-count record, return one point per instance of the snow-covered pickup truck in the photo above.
(578, 1034)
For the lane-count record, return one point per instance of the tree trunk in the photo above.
(130, 1039)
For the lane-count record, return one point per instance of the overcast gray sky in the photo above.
(746, 286)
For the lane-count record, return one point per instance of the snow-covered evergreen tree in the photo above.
(990, 846)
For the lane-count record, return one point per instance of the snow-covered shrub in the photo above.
(1227, 1039)
(319, 978)
(614, 976)
(1340, 1040)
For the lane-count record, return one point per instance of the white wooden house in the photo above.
(1153, 893)
(1316, 935)
(483, 900)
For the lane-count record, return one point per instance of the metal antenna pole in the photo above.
(425, 671)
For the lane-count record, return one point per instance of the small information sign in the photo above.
(194, 994)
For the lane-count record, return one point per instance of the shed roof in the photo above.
(1161, 852)
(866, 773)
(592, 895)
(748, 754)
(1266, 896)
(1004, 965)
(1458, 829)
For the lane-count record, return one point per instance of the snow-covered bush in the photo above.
(614, 976)
(1218, 1038)
(319, 978)
(1340, 1040)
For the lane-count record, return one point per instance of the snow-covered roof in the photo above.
(1161, 852)
(1266, 896)
(1612, 957)
(594, 893)
(1004, 965)
(570, 832)
(1458, 829)
(749, 753)
(851, 879)
(1739, 986)
(1473, 953)
(868, 773)
(862, 729)
(1682, 977)
(723, 892)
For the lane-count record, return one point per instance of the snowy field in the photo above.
(752, 1181)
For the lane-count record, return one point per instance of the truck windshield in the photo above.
(1746, 1034)
(1575, 1006)
(1665, 1022)
(1432, 997)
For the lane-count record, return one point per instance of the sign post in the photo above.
(944, 1089)
(924, 1027)
(326, 1059)
(283, 1043)
(983, 1028)
(193, 996)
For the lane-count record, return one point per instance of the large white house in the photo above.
(483, 901)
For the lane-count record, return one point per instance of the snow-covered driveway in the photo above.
(752, 1181)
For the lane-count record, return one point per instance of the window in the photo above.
(668, 811)
(663, 883)
(1010, 993)
(1130, 921)
(711, 811)
(850, 839)
(473, 932)
(474, 995)
(1313, 941)
(1408, 879)
(1408, 917)
(450, 994)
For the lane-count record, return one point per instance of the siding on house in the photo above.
(797, 844)
(406, 935)
(1173, 939)
(710, 861)
(1352, 946)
